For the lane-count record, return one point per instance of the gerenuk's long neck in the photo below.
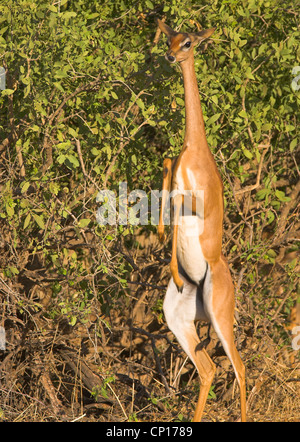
(194, 123)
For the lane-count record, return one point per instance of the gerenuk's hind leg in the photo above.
(181, 311)
(219, 303)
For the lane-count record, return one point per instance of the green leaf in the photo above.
(9, 210)
(72, 320)
(27, 221)
(73, 132)
(140, 104)
(247, 153)
(149, 4)
(68, 14)
(95, 151)
(214, 98)
(180, 101)
(54, 188)
(25, 186)
(289, 127)
(7, 92)
(213, 119)
(93, 15)
(58, 86)
(293, 144)
(84, 222)
(73, 160)
(270, 216)
(263, 193)
(39, 220)
(61, 158)
(243, 114)
(281, 196)
(27, 90)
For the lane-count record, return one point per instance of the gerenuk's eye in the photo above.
(187, 44)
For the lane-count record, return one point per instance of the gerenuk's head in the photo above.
(181, 44)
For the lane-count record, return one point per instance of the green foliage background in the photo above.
(90, 102)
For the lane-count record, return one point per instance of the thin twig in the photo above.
(257, 184)
(78, 146)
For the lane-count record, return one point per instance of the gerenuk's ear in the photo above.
(166, 29)
(202, 35)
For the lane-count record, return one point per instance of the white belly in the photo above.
(189, 250)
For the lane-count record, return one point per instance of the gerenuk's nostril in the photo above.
(171, 58)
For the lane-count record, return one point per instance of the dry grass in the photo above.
(127, 366)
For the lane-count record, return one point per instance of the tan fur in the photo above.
(196, 163)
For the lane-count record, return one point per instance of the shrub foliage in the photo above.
(89, 102)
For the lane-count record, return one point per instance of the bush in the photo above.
(89, 102)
